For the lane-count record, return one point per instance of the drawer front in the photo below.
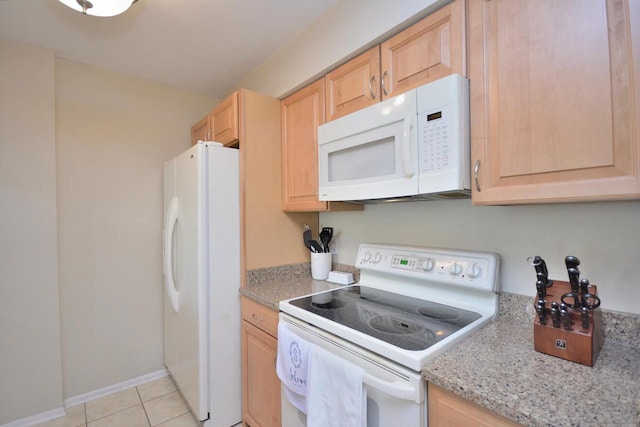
(260, 316)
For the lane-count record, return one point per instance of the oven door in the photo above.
(370, 154)
(395, 395)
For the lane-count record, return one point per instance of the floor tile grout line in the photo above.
(116, 412)
(144, 408)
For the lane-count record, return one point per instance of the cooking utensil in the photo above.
(306, 237)
(588, 300)
(325, 237)
(316, 247)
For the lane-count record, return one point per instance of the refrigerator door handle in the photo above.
(169, 228)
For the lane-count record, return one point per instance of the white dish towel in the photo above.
(336, 395)
(292, 366)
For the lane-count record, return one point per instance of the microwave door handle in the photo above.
(406, 147)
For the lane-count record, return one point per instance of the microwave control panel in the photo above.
(436, 144)
(443, 125)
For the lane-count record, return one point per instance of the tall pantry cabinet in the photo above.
(555, 100)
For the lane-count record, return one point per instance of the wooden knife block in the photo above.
(577, 345)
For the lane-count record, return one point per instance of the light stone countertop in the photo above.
(497, 367)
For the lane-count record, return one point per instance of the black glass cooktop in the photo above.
(406, 322)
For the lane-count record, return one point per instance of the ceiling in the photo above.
(206, 46)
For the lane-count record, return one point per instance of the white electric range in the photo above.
(410, 304)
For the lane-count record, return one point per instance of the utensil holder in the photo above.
(321, 265)
(578, 344)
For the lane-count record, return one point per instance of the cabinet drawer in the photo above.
(260, 316)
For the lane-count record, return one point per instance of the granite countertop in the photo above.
(498, 368)
(269, 286)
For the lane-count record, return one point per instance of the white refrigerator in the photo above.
(201, 263)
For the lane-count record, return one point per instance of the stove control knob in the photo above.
(474, 271)
(428, 264)
(455, 269)
(377, 258)
(366, 257)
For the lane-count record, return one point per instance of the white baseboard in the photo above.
(86, 397)
(37, 419)
(96, 394)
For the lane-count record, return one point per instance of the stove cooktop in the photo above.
(406, 322)
(411, 302)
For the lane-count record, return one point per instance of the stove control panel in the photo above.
(452, 266)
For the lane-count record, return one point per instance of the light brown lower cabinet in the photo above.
(448, 410)
(260, 384)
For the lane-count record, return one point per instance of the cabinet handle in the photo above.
(384, 89)
(257, 318)
(475, 174)
(371, 84)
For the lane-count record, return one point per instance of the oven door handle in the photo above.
(399, 389)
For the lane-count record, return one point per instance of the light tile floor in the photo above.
(156, 403)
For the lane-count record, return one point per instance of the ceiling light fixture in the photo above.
(102, 8)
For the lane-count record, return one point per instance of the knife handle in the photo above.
(574, 277)
(542, 314)
(566, 320)
(542, 289)
(541, 270)
(555, 317)
(584, 286)
(571, 261)
(584, 314)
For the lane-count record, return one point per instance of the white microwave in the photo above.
(412, 146)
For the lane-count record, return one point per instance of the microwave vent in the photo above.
(445, 195)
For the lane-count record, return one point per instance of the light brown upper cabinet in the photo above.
(354, 85)
(201, 130)
(302, 113)
(220, 125)
(225, 121)
(426, 51)
(555, 99)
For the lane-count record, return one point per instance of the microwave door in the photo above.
(374, 163)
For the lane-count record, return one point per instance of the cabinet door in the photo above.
(261, 386)
(449, 410)
(201, 130)
(354, 85)
(302, 113)
(552, 100)
(429, 50)
(225, 121)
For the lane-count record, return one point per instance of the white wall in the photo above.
(113, 134)
(345, 30)
(30, 367)
(605, 236)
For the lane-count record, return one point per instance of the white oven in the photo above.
(411, 304)
(415, 144)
